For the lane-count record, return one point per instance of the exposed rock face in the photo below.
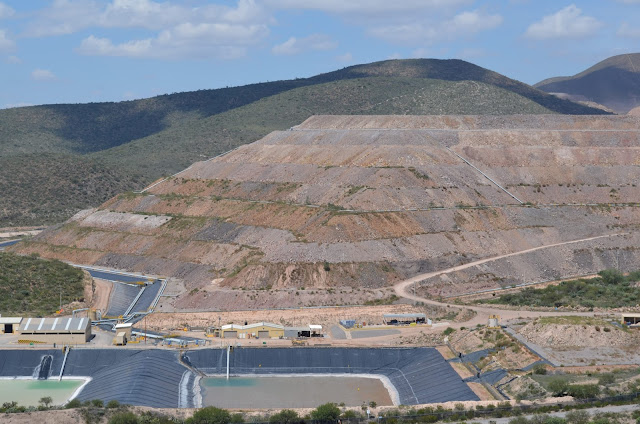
(635, 111)
(363, 201)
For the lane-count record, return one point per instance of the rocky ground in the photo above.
(340, 208)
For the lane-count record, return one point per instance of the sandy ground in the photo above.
(101, 294)
(19, 231)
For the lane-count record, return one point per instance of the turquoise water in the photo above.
(29, 392)
(291, 392)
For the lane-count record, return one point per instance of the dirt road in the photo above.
(403, 288)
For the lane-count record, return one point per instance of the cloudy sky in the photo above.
(73, 51)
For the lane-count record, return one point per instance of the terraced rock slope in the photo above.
(342, 204)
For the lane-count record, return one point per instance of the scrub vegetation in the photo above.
(32, 286)
(162, 135)
(611, 289)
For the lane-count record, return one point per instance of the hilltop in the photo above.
(139, 141)
(339, 208)
(613, 82)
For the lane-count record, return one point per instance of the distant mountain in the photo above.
(138, 141)
(614, 83)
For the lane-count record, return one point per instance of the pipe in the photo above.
(228, 352)
(64, 361)
(135, 300)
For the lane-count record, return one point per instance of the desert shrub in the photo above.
(539, 369)
(286, 416)
(112, 404)
(578, 417)
(558, 386)
(583, 391)
(210, 415)
(328, 412)
(126, 417)
(607, 378)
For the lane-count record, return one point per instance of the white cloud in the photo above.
(5, 11)
(566, 23)
(221, 40)
(6, 44)
(366, 7)
(295, 45)
(69, 16)
(461, 25)
(176, 30)
(14, 60)
(42, 75)
(628, 31)
(345, 58)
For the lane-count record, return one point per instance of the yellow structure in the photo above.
(259, 330)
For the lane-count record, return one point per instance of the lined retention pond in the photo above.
(27, 392)
(292, 392)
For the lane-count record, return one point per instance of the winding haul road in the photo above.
(404, 288)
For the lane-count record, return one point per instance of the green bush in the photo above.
(210, 415)
(583, 391)
(126, 417)
(607, 378)
(73, 403)
(112, 404)
(286, 416)
(539, 369)
(448, 331)
(578, 417)
(329, 412)
(558, 386)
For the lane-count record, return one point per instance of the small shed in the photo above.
(404, 319)
(630, 319)
(62, 330)
(9, 325)
(125, 327)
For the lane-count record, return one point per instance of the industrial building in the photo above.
(404, 319)
(9, 325)
(260, 330)
(61, 330)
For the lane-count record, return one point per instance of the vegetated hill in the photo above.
(30, 286)
(82, 128)
(177, 147)
(161, 135)
(338, 208)
(614, 83)
(48, 188)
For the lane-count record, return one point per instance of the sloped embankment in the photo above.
(362, 201)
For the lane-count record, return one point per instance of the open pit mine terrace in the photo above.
(375, 200)
(169, 379)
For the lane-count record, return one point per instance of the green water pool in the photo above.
(29, 392)
(292, 392)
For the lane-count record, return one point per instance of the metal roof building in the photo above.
(63, 330)
(259, 330)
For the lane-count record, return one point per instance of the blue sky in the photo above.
(76, 51)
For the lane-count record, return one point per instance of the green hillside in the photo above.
(31, 286)
(49, 188)
(177, 147)
(613, 82)
(161, 135)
